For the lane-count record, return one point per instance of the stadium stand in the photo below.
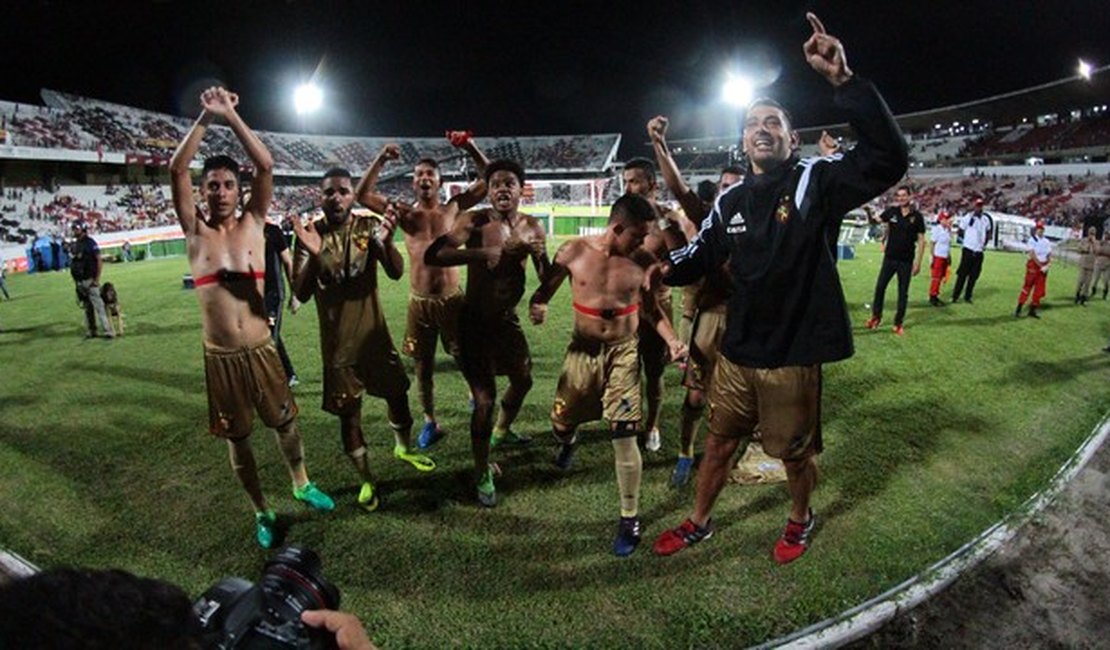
(73, 122)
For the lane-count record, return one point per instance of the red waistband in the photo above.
(607, 314)
(228, 276)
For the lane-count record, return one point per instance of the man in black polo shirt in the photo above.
(85, 265)
(904, 232)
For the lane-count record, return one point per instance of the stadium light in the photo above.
(307, 98)
(738, 91)
(1084, 69)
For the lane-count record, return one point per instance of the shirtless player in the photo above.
(226, 256)
(435, 298)
(664, 235)
(601, 371)
(704, 303)
(498, 240)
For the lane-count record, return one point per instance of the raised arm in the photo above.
(691, 204)
(880, 157)
(366, 193)
(181, 183)
(477, 190)
(220, 102)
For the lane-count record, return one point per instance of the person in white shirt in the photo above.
(1036, 271)
(941, 235)
(976, 230)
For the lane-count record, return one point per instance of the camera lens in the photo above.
(295, 575)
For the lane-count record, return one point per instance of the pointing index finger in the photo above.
(815, 22)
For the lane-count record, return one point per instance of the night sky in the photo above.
(520, 68)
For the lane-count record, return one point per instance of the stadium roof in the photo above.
(1060, 96)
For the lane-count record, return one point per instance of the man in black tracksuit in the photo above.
(787, 314)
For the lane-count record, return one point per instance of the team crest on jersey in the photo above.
(362, 232)
(736, 224)
(782, 213)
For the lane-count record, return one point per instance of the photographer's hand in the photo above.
(348, 630)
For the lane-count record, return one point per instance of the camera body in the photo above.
(236, 614)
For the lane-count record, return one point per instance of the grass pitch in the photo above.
(929, 439)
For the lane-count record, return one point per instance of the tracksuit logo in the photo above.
(736, 224)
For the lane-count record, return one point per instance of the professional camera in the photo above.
(237, 614)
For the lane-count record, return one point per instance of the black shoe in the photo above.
(968, 300)
(936, 302)
(1033, 313)
(564, 456)
(1017, 312)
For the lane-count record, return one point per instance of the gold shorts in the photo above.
(705, 344)
(493, 347)
(379, 373)
(598, 381)
(429, 316)
(782, 404)
(242, 381)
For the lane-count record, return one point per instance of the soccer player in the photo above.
(787, 314)
(435, 298)
(664, 235)
(336, 262)
(226, 256)
(903, 248)
(601, 370)
(498, 241)
(703, 303)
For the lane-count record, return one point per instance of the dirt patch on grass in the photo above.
(1048, 588)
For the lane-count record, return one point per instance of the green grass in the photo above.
(929, 439)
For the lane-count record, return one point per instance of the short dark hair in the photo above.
(336, 172)
(707, 190)
(632, 208)
(642, 164)
(430, 162)
(773, 103)
(505, 164)
(733, 169)
(222, 162)
(909, 190)
(78, 608)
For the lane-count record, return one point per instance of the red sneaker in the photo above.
(899, 330)
(794, 540)
(872, 322)
(676, 539)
